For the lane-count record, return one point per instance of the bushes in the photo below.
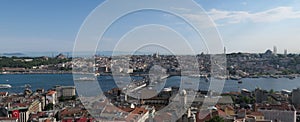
(216, 119)
(18, 62)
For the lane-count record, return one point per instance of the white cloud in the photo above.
(223, 17)
(202, 20)
(271, 15)
(233, 16)
(181, 9)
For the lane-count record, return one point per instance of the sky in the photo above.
(244, 25)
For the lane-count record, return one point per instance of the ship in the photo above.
(2, 86)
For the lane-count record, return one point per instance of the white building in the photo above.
(65, 91)
(51, 97)
(283, 112)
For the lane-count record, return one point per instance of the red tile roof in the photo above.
(136, 113)
(3, 93)
(51, 92)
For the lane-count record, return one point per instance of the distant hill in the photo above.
(12, 54)
(52, 54)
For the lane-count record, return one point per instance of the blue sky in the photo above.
(244, 25)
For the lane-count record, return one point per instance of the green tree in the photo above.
(49, 106)
(62, 98)
(216, 119)
(73, 98)
(245, 99)
(271, 91)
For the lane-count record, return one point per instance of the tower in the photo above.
(274, 50)
(183, 98)
(285, 52)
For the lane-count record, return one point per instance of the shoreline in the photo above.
(291, 76)
(26, 73)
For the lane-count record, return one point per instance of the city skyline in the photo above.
(150, 60)
(243, 25)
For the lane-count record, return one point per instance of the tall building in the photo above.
(260, 95)
(296, 97)
(275, 50)
(285, 52)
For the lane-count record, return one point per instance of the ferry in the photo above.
(220, 77)
(194, 76)
(164, 77)
(197, 76)
(85, 79)
(235, 78)
(5, 86)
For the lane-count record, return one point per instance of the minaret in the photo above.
(183, 98)
(274, 50)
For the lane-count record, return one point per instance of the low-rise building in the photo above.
(51, 97)
(8, 119)
(261, 95)
(65, 91)
(283, 112)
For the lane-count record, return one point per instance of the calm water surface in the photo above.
(47, 81)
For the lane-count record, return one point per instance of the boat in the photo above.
(194, 76)
(85, 79)
(27, 86)
(240, 81)
(220, 77)
(5, 86)
(274, 76)
(164, 77)
(235, 77)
